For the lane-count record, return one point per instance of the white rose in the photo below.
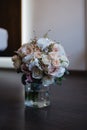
(60, 72)
(46, 60)
(44, 42)
(64, 61)
(33, 63)
(27, 58)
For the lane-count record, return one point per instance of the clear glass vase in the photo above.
(36, 96)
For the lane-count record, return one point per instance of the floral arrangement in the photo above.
(41, 61)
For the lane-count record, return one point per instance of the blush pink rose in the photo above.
(53, 55)
(56, 62)
(37, 54)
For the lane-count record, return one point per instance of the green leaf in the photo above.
(59, 80)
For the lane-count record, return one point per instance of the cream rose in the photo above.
(16, 61)
(37, 54)
(46, 60)
(25, 50)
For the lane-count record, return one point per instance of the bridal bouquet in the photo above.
(42, 61)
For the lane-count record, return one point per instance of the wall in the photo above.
(66, 19)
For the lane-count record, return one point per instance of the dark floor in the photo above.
(68, 109)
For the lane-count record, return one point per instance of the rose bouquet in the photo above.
(42, 61)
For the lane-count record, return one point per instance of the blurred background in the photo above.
(24, 19)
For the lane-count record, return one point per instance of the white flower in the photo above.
(27, 58)
(61, 72)
(44, 42)
(64, 61)
(45, 59)
(33, 63)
